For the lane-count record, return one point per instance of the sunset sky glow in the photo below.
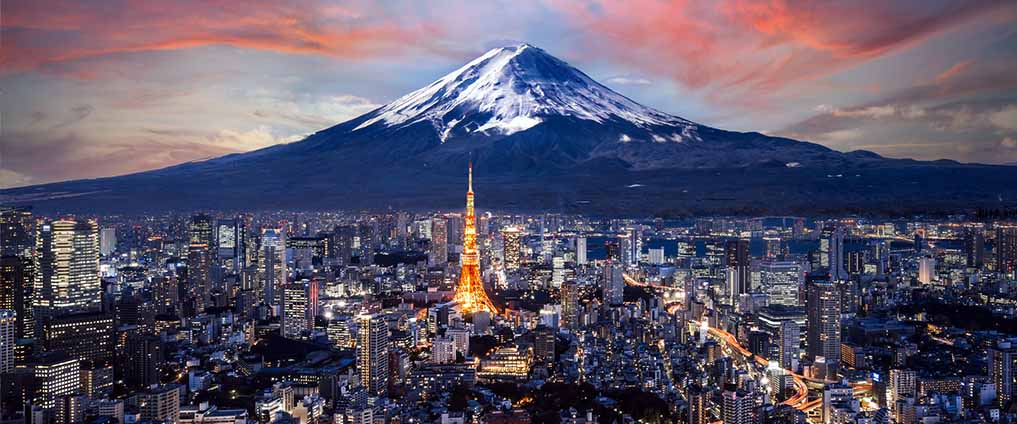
(100, 88)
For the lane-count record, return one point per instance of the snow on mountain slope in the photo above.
(512, 88)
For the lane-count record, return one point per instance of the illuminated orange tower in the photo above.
(470, 293)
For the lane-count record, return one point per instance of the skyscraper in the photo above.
(614, 284)
(342, 244)
(823, 320)
(557, 271)
(438, 255)
(16, 292)
(199, 274)
(581, 251)
(974, 248)
(8, 327)
(107, 241)
(1006, 248)
(570, 304)
(272, 264)
(199, 261)
(372, 354)
(511, 247)
(831, 250)
(200, 229)
(470, 293)
(739, 279)
(231, 243)
(68, 276)
(631, 242)
(16, 229)
(926, 269)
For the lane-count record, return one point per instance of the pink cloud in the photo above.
(37, 36)
(954, 70)
(763, 45)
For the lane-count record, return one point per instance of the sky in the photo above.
(109, 87)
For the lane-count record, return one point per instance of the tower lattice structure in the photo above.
(470, 293)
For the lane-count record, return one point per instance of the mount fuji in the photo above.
(543, 136)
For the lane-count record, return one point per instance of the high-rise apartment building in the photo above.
(8, 329)
(974, 248)
(1006, 248)
(736, 408)
(299, 303)
(372, 354)
(512, 247)
(901, 385)
(1002, 367)
(142, 355)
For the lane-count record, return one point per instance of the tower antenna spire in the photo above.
(470, 294)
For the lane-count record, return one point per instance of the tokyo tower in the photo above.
(470, 293)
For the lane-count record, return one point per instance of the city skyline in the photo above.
(741, 320)
(99, 84)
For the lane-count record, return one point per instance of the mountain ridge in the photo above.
(544, 132)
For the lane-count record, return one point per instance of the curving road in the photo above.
(800, 400)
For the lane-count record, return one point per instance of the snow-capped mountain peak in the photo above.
(512, 89)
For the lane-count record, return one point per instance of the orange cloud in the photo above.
(37, 35)
(763, 45)
(957, 68)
